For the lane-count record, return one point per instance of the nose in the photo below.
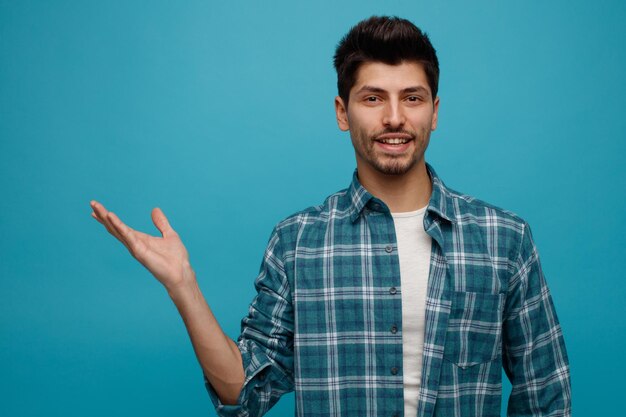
(394, 117)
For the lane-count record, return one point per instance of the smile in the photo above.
(394, 141)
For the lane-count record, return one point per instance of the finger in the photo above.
(109, 228)
(95, 216)
(99, 210)
(124, 232)
(161, 222)
(121, 232)
(96, 205)
(100, 214)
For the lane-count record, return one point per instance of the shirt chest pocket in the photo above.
(474, 332)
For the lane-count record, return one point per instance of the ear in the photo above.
(433, 124)
(341, 111)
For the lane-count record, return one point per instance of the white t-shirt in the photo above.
(414, 247)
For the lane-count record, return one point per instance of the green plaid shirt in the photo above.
(329, 296)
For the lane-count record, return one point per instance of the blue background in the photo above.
(221, 113)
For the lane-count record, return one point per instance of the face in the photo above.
(390, 115)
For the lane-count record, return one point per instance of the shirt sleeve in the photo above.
(266, 340)
(534, 355)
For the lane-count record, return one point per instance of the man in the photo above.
(395, 296)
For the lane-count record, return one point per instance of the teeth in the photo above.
(394, 141)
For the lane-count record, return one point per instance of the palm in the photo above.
(165, 257)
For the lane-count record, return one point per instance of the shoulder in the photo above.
(469, 213)
(484, 226)
(334, 207)
(471, 210)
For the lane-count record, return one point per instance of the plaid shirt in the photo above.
(329, 297)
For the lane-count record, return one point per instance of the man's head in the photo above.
(390, 40)
(387, 72)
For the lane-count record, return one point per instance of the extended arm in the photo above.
(167, 259)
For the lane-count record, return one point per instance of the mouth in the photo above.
(395, 141)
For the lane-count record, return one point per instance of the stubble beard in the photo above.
(389, 164)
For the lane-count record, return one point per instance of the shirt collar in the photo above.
(440, 202)
(441, 199)
(359, 197)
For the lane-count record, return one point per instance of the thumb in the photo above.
(161, 222)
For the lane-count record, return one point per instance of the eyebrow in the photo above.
(372, 89)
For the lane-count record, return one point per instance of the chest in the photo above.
(351, 264)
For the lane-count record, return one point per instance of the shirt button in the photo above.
(394, 371)
(388, 248)
(392, 290)
(394, 329)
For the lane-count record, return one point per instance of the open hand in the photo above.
(165, 257)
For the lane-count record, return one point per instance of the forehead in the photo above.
(391, 77)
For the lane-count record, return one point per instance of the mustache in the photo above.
(388, 131)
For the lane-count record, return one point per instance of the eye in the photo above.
(414, 99)
(371, 99)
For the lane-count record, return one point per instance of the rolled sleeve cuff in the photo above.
(254, 366)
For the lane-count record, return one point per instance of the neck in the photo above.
(401, 193)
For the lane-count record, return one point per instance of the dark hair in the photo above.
(385, 39)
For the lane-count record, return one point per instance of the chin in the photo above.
(396, 168)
